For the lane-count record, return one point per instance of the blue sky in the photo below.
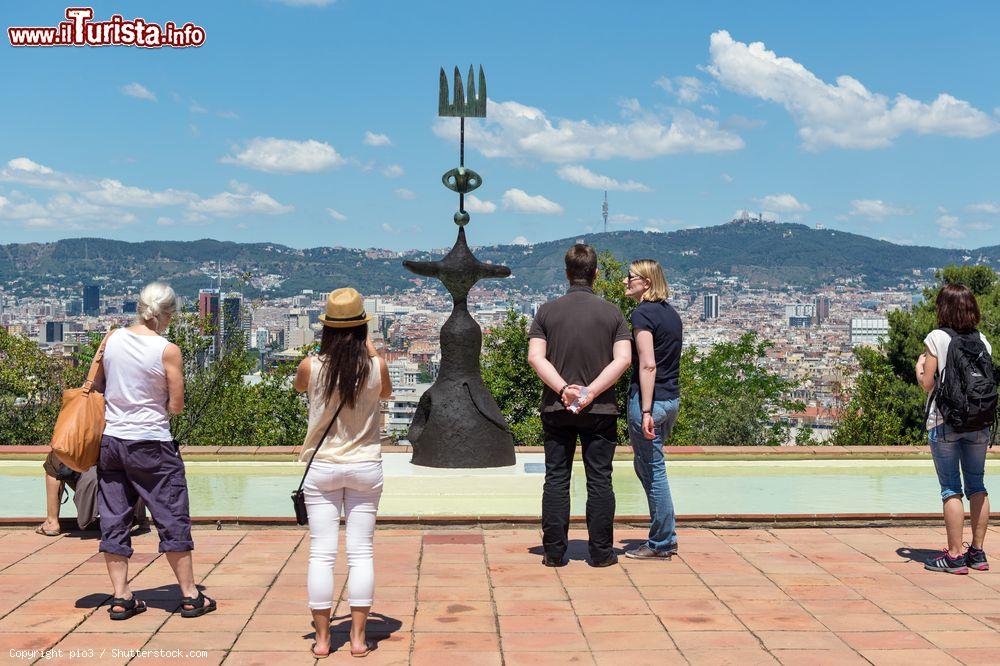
(875, 118)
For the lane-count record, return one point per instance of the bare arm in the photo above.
(647, 368)
(175, 378)
(302, 375)
(100, 382)
(622, 359)
(383, 370)
(537, 348)
(926, 367)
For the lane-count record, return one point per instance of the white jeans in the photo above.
(351, 489)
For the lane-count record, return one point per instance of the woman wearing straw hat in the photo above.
(345, 383)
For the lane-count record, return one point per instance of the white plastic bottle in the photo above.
(575, 406)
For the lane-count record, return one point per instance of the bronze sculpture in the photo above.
(457, 422)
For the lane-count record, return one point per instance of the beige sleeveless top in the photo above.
(355, 435)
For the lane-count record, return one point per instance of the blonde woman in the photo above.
(654, 399)
(143, 387)
(345, 383)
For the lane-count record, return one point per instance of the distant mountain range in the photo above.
(764, 253)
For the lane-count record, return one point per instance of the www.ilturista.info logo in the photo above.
(81, 30)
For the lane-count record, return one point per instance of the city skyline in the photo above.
(328, 136)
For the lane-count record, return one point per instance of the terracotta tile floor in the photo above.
(480, 596)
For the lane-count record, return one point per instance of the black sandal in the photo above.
(132, 608)
(198, 605)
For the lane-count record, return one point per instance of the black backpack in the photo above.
(965, 392)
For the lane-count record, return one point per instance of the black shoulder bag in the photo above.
(298, 497)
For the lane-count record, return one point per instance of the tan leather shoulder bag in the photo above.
(76, 440)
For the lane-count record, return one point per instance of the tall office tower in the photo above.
(54, 332)
(208, 307)
(262, 338)
(711, 307)
(92, 300)
(232, 320)
(822, 307)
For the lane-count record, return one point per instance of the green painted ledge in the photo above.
(290, 453)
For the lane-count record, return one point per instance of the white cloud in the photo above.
(687, 89)
(195, 107)
(405, 194)
(286, 156)
(652, 230)
(520, 240)
(520, 201)
(100, 203)
(24, 164)
(228, 115)
(726, 178)
(979, 226)
(986, 207)
(621, 218)
(229, 204)
(844, 114)
(519, 131)
(373, 139)
(388, 228)
(63, 211)
(336, 214)
(782, 203)
(113, 193)
(584, 177)
(393, 171)
(138, 91)
(876, 209)
(948, 227)
(474, 204)
(27, 172)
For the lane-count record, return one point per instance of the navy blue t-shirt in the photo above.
(660, 319)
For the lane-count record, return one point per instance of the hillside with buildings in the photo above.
(762, 253)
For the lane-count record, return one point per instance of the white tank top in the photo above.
(354, 437)
(135, 391)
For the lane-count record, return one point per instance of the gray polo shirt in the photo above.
(580, 330)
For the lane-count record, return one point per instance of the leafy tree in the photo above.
(511, 380)
(888, 406)
(31, 385)
(221, 407)
(728, 398)
(610, 285)
(879, 411)
(425, 376)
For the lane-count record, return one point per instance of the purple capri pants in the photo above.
(128, 470)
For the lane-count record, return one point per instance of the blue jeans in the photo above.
(651, 469)
(959, 450)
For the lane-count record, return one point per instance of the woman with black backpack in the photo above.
(957, 373)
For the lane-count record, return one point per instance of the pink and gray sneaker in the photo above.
(976, 559)
(945, 563)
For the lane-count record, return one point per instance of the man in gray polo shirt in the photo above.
(579, 345)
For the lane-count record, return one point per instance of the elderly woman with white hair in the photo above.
(144, 386)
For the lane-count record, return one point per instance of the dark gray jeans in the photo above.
(130, 470)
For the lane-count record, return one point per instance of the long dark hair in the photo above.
(344, 357)
(957, 308)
